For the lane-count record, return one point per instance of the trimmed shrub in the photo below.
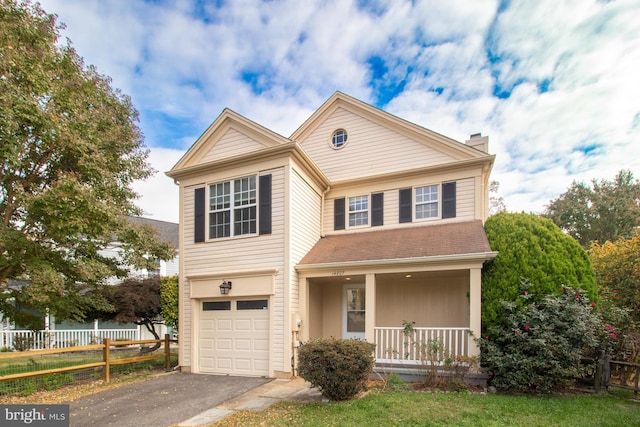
(539, 346)
(534, 249)
(339, 368)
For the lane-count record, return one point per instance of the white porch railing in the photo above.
(393, 346)
(29, 340)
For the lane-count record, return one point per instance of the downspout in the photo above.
(322, 210)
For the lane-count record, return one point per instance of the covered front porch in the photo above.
(402, 312)
(401, 289)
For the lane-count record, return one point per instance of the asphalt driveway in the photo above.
(160, 401)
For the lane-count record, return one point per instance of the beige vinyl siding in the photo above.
(186, 312)
(371, 149)
(438, 300)
(219, 256)
(305, 227)
(465, 199)
(231, 144)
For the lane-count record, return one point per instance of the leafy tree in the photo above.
(169, 297)
(617, 267)
(70, 149)
(534, 249)
(496, 202)
(135, 300)
(602, 212)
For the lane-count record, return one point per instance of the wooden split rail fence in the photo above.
(106, 362)
(615, 373)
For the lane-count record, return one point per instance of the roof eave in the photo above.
(486, 163)
(292, 148)
(477, 257)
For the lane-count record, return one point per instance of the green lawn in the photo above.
(398, 408)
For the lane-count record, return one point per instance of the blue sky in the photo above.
(555, 84)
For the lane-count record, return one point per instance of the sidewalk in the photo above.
(258, 399)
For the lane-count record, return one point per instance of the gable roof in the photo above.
(228, 119)
(459, 239)
(426, 136)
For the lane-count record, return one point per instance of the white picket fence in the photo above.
(29, 340)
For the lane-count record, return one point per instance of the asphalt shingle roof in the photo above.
(458, 238)
(168, 231)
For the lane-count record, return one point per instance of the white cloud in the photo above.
(569, 70)
(159, 194)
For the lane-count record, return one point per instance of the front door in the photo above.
(353, 312)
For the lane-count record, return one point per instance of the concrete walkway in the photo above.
(258, 399)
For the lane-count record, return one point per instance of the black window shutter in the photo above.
(338, 214)
(199, 215)
(449, 199)
(377, 209)
(265, 205)
(405, 205)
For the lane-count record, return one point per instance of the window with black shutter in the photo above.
(235, 208)
(449, 199)
(265, 205)
(405, 205)
(377, 209)
(338, 214)
(199, 215)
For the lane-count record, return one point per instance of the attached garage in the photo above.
(234, 337)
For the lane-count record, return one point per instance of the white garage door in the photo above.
(234, 337)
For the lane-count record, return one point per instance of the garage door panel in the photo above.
(243, 344)
(207, 363)
(243, 325)
(261, 345)
(243, 365)
(225, 325)
(224, 344)
(234, 341)
(208, 356)
(261, 365)
(224, 363)
(207, 324)
(261, 324)
(207, 344)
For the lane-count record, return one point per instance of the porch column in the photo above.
(370, 308)
(475, 306)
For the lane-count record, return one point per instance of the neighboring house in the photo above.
(167, 231)
(357, 222)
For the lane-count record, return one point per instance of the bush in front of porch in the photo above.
(339, 368)
(539, 346)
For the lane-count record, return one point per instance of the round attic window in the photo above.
(339, 138)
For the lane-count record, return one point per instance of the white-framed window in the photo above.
(339, 138)
(427, 202)
(232, 207)
(358, 211)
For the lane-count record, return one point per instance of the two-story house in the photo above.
(357, 222)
